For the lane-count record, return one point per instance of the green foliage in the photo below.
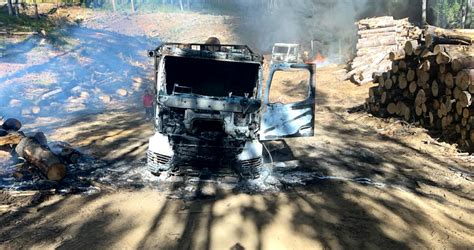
(25, 23)
(447, 13)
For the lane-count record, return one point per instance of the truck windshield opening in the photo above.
(210, 77)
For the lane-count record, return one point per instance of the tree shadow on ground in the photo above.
(81, 78)
(371, 190)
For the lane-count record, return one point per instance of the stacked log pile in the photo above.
(377, 37)
(431, 82)
(34, 150)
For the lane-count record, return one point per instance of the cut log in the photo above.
(459, 108)
(392, 108)
(379, 22)
(402, 66)
(465, 78)
(410, 47)
(411, 75)
(402, 81)
(423, 76)
(42, 158)
(466, 113)
(397, 55)
(419, 51)
(426, 65)
(12, 124)
(384, 97)
(12, 138)
(412, 87)
(388, 83)
(395, 66)
(433, 40)
(377, 31)
(418, 110)
(436, 35)
(449, 80)
(463, 63)
(420, 97)
(446, 54)
(382, 41)
(465, 99)
(435, 88)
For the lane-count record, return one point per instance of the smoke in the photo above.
(329, 24)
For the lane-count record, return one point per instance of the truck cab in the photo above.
(211, 108)
(285, 53)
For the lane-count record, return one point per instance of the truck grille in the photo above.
(250, 168)
(157, 161)
(252, 163)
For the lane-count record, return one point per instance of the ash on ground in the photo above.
(91, 176)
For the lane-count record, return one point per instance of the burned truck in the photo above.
(212, 112)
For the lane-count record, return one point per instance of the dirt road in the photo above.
(375, 184)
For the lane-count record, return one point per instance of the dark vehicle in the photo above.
(211, 110)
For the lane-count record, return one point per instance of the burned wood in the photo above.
(42, 158)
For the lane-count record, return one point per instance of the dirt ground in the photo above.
(381, 183)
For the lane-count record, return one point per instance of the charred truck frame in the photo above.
(211, 110)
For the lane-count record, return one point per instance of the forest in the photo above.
(443, 13)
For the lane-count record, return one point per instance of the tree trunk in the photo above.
(17, 9)
(113, 6)
(423, 12)
(42, 158)
(36, 10)
(463, 13)
(10, 7)
(133, 6)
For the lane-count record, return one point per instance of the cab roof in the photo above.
(227, 52)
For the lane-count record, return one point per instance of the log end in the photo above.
(56, 172)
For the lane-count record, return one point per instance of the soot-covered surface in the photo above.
(90, 176)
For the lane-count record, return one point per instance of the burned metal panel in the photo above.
(231, 104)
(226, 52)
(288, 120)
(202, 126)
(281, 121)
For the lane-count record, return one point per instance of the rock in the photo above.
(12, 124)
(121, 92)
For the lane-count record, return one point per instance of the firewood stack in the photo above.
(34, 149)
(431, 82)
(377, 38)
